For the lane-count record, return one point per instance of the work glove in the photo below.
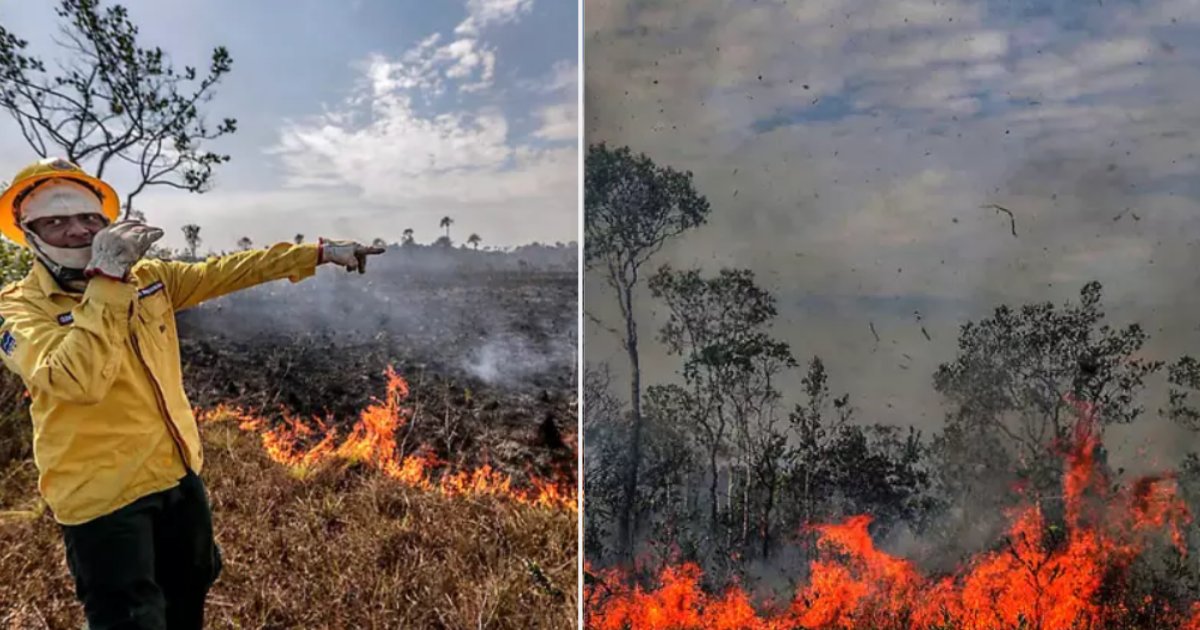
(117, 247)
(348, 254)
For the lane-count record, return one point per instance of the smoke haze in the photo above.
(849, 150)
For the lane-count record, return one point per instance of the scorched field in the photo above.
(389, 450)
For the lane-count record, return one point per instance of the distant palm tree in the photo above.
(299, 238)
(446, 221)
(191, 234)
(408, 236)
(245, 243)
(474, 240)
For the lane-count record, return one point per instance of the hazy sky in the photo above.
(847, 147)
(365, 117)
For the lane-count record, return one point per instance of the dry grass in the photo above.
(342, 548)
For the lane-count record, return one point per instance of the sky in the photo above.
(848, 148)
(360, 119)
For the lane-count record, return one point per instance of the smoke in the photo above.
(507, 319)
(849, 153)
(509, 359)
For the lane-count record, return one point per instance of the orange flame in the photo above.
(372, 441)
(1028, 582)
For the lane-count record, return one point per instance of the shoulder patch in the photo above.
(8, 343)
(66, 318)
(151, 289)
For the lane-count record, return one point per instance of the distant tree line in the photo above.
(193, 241)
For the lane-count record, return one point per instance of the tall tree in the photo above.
(446, 222)
(631, 208)
(191, 235)
(719, 326)
(814, 424)
(474, 240)
(1018, 371)
(115, 102)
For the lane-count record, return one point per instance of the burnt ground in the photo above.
(489, 352)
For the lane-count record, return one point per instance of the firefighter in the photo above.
(91, 332)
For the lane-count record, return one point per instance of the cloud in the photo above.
(559, 121)
(427, 129)
(924, 88)
(484, 13)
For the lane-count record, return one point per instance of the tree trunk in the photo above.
(765, 526)
(730, 532)
(808, 506)
(745, 506)
(712, 490)
(625, 518)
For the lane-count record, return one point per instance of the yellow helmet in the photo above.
(49, 168)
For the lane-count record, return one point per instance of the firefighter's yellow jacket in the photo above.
(111, 422)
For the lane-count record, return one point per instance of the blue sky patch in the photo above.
(827, 108)
(359, 119)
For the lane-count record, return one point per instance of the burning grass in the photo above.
(1081, 579)
(324, 530)
(303, 446)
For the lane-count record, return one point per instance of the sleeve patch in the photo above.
(8, 343)
(150, 289)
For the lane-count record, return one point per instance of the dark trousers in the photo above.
(149, 565)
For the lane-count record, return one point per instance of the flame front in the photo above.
(1028, 582)
(372, 441)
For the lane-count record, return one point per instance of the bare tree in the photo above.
(115, 102)
(762, 441)
(631, 208)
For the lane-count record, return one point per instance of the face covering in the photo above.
(58, 198)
